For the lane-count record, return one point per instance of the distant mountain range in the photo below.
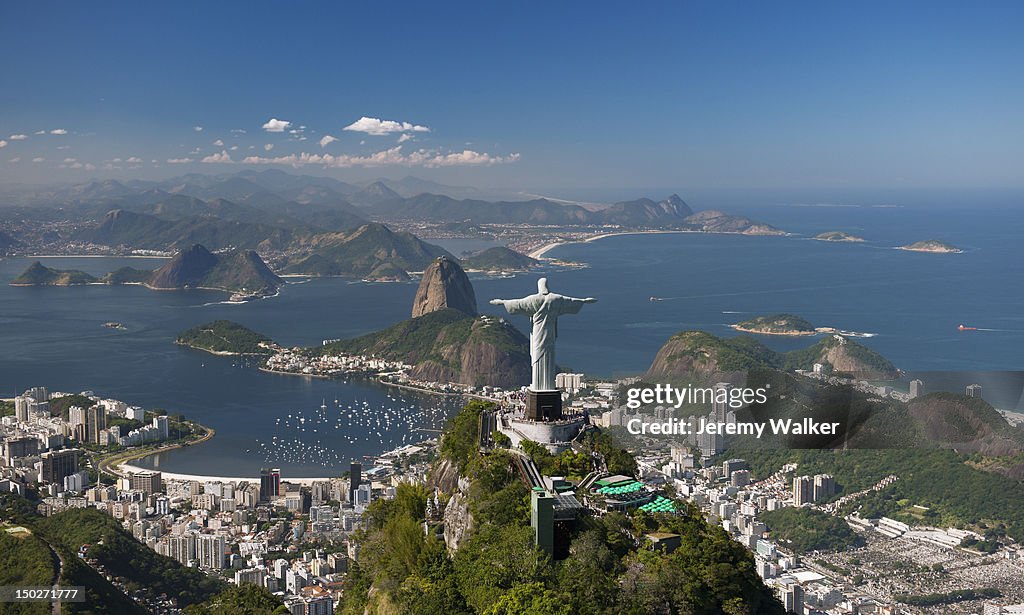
(440, 208)
(125, 228)
(275, 198)
(368, 251)
(310, 225)
(248, 184)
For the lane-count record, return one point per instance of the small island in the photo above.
(776, 324)
(498, 258)
(837, 236)
(388, 272)
(224, 337)
(932, 245)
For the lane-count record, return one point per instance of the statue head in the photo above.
(542, 286)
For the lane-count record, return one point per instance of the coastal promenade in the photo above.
(113, 465)
(127, 468)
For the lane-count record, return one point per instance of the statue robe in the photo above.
(543, 310)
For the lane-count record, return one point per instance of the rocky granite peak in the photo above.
(233, 270)
(444, 285)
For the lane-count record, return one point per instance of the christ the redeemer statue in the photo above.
(543, 308)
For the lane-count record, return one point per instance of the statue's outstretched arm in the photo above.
(572, 305)
(516, 306)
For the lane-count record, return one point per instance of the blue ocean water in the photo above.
(912, 302)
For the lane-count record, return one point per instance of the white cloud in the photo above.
(327, 140)
(134, 160)
(218, 143)
(18, 137)
(405, 137)
(233, 147)
(3, 143)
(40, 132)
(70, 160)
(238, 131)
(276, 125)
(388, 157)
(63, 147)
(469, 158)
(222, 157)
(39, 159)
(378, 127)
(268, 147)
(58, 131)
(179, 160)
(15, 159)
(197, 128)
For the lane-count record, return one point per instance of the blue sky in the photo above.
(525, 95)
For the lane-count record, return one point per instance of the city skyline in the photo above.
(527, 97)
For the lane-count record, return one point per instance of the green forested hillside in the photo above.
(499, 570)
(954, 491)
(224, 336)
(121, 555)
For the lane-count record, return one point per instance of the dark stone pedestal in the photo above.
(543, 405)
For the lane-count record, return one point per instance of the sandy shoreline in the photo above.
(122, 460)
(541, 251)
(127, 467)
